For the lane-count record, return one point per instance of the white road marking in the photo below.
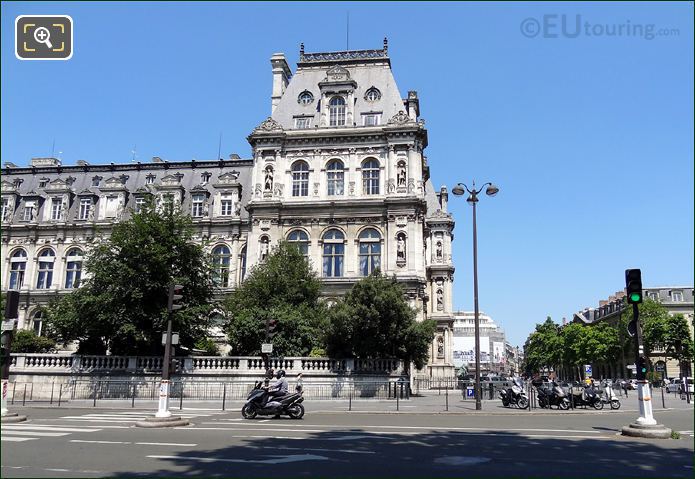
(37, 433)
(165, 444)
(276, 460)
(17, 439)
(99, 442)
(40, 427)
(246, 429)
(58, 470)
(347, 451)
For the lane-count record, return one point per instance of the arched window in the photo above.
(46, 260)
(221, 259)
(373, 94)
(18, 266)
(370, 177)
(300, 179)
(333, 252)
(336, 178)
(370, 251)
(37, 322)
(300, 239)
(73, 271)
(305, 98)
(336, 111)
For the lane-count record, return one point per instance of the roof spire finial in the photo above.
(301, 49)
(386, 45)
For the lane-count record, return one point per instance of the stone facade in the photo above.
(338, 167)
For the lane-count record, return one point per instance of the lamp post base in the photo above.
(12, 417)
(171, 421)
(650, 431)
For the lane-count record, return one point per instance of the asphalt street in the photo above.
(100, 442)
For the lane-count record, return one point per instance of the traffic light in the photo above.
(641, 367)
(12, 305)
(175, 295)
(271, 326)
(633, 285)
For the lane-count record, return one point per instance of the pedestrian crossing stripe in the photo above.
(17, 439)
(30, 432)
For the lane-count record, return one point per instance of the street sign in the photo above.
(267, 347)
(470, 392)
(631, 366)
(8, 325)
(660, 367)
(587, 369)
(174, 339)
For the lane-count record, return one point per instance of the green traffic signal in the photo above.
(635, 297)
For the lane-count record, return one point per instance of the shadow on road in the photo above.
(358, 452)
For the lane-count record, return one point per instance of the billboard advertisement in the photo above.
(498, 355)
(464, 350)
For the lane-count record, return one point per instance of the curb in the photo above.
(13, 417)
(171, 421)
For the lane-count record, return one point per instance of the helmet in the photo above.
(280, 373)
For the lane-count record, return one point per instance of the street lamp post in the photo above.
(491, 190)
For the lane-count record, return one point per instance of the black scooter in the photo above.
(552, 396)
(288, 405)
(587, 397)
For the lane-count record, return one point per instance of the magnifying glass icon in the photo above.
(43, 35)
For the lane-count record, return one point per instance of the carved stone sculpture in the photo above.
(269, 179)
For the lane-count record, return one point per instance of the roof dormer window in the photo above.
(373, 94)
(336, 110)
(305, 98)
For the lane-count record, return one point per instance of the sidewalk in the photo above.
(431, 402)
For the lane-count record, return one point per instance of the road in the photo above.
(99, 442)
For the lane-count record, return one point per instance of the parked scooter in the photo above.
(289, 405)
(552, 396)
(514, 395)
(586, 397)
(609, 397)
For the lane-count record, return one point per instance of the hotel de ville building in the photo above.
(339, 168)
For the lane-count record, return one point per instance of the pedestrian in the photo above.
(300, 383)
(624, 384)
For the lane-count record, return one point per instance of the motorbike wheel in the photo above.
(296, 411)
(542, 404)
(615, 404)
(598, 405)
(248, 411)
(564, 405)
(522, 403)
(505, 403)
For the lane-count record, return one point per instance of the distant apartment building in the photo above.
(493, 357)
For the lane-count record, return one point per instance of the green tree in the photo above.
(543, 347)
(284, 288)
(121, 305)
(28, 342)
(374, 320)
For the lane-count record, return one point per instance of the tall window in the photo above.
(677, 296)
(221, 258)
(371, 119)
(302, 122)
(300, 179)
(73, 273)
(37, 322)
(333, 253)
(242, 261)
(370, 177)
(226, 205)
(301, 240)
(370, 251)
(29, 211)
(85, 208)
(197, 205)
(18, 266)
(46, 260)
(336, 178)
(140, 203)
(168, 203)
(5, 208)
(336, 111)
(56, 208)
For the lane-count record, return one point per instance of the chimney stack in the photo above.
(281, 77)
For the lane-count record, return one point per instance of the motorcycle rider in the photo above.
(278, 389)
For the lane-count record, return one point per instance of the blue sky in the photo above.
(590, 139)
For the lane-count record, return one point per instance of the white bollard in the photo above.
(646, 417)
(163, 410)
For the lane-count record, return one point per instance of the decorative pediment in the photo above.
(32, 194)
(142, 191)
(269, 125)
(172, 180)
(58, 185)
(229, 177)
(87, 192)
(400, 118)
(113, 183)
(8, 187)
(337, 73)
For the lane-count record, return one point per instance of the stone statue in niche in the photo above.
(440, 347)
(400, 249)
(237, 208)
(269, 179)
(440, 300)
(400, 176)
(263, 254)
(439, 252)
